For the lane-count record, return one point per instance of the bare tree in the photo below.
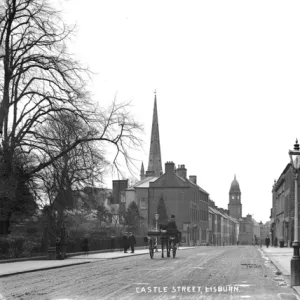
(80, 167)
(39, 80)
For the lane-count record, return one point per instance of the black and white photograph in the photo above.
(149, 149)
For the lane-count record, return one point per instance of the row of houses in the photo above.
(223, 229)
(197, 217)
(282, 211)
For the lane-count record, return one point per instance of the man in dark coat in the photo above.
(172, 227)
(172, 231)
(267, 240)
(132, 241)
(125, 242)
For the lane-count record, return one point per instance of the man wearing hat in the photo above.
(172, 227)
(173, 230)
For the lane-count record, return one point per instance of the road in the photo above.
(201, 273)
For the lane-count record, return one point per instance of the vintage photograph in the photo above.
(149, 149)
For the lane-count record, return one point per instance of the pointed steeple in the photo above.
(154, 165)
(142, 174)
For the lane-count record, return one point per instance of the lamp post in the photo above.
(295, 261)
(156, 216)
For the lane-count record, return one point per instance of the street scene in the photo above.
(149, 150)
(230, 272)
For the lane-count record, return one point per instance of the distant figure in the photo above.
(85, 245)
(276, 241)
(131, 241)
(178, 239)
(255, 241)
(238, 242)
(267, 241)
(125, 242)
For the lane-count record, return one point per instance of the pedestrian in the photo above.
(255, 240)
(267, 241)
(178, 239)
(85, 245)
(125, 242)
(238, 242)
(132, 241)
(276, 241)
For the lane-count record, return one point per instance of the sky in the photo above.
(226, 74)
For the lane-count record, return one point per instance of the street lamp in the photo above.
(156, 216)
(295, 261)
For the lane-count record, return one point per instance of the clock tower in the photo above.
(235, 205)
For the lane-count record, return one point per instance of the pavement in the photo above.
(281, 258)
(20, 267)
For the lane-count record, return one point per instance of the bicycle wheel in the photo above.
(151, 249)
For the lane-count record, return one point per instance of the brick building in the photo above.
(183, 198)
(282, 212)
(223, 229)
(264, 231)
(246, 230)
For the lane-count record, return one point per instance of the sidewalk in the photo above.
(281, 258)
(14, 268)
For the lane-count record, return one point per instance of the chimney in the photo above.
(181, 171)
(211, 203)
(193, 178)
(169, 167)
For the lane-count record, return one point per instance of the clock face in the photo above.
(232, 197)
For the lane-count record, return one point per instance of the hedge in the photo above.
(24, 246)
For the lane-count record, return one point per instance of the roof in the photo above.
(233, 219)
(215, 211)
(235, 187)
(224, 215)
(145, 182)
(191, 182)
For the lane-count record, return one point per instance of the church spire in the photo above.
(154, 165)
(142, 174)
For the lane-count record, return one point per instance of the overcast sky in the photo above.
(227, 76)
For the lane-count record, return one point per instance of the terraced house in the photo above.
(223, 229)
(282, 212)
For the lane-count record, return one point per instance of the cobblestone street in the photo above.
(200, 273)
